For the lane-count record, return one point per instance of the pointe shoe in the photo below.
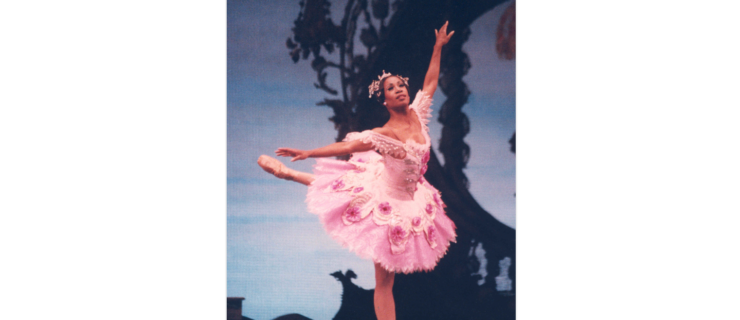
(274, 166)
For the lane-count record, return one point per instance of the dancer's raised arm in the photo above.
(430, 80)
(332, 150)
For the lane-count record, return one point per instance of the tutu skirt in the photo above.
(403, 230)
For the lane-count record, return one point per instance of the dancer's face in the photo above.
(396, 93)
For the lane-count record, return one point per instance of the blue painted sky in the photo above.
(279, 258)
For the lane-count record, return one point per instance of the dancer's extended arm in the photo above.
(332, 150)
(430, 80)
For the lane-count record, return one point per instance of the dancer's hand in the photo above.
(295, 153)
(442, 36)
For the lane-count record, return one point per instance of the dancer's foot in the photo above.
(275, 167)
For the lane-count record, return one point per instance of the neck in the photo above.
(400, 115)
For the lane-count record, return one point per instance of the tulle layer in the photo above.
(354, 206)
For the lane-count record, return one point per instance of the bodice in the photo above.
(405, 163)
(401, 176)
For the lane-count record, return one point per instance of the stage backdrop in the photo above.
(279, 257)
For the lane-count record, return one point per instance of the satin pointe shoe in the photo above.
(274, 166)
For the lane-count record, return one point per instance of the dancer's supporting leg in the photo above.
(277, 168)
(385, 307)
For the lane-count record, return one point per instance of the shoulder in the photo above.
(378, 137)
(369, 136)
(422, 105)
(422, 101)
(383, 131)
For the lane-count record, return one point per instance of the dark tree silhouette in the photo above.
(401, 43)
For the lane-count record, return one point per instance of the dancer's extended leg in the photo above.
(385, 307)
(277, 168)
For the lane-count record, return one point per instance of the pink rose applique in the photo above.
(423, 170)
(429, 208)
(416, 221)
(397, 234)
(337, 184)
(432, 233)
(358, 189)
(353, 214)
(431, 237)
(437, 200)
(385, 208)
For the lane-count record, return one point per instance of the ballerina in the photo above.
(378, 204)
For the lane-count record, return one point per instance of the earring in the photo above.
(385, 103)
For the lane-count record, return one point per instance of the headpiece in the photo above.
(375, 86)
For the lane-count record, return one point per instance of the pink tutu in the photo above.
(380, 206)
